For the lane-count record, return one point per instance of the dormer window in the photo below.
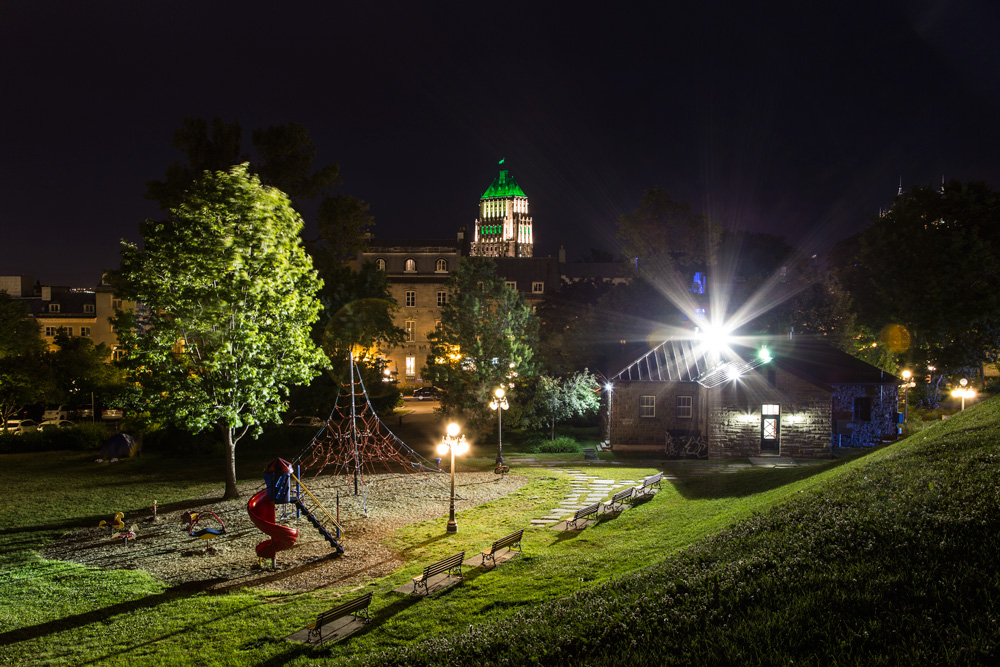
(380, 264)
(410, 266)
(53, 307)
(441, 266)
(88, 308)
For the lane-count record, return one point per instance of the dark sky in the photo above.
(782, 118)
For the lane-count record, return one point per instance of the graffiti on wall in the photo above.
(686, 446)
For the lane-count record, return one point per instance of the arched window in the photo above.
(380, 264)
(410, 266)
(441, 266)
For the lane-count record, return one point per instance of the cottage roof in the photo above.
(689, 360)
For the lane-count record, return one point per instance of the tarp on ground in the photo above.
(119, 446)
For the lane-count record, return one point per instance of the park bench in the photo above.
(647, 485)
(449, 565)
(509, 542)
(583, 513)
(617, 503)
(349, 608)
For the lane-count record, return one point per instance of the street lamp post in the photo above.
(964, 392)
(454, 444)
(499, 403)
(906, 390)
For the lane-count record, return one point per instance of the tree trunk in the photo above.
(553, 436)
(227, 438)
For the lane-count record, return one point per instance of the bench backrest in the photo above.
(442, 565)
(589, 509)
(349, 607)
(650, 481)
(622, 495)
(513, 538)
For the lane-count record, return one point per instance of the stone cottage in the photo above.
(791, 397)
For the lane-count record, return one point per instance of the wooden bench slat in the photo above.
(447, 564)
(583, 512)
(503, 543)
(341, 610)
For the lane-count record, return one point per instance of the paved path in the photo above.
(588, 487)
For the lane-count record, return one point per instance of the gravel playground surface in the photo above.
(164, 549)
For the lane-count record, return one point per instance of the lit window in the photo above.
(410, 266)
(647, 406)
(411, 367)
(85, 332)
(770, 409)
(512, 284)
(442, 298)
(685, 407)
(53, 307)
(410, 327)
(88, 307)
(118, 355)
(441, 266)
(537, 288)
(411, 299)
(380, 264)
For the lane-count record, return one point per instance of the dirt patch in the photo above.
(164, 549)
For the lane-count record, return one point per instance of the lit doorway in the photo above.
(770, 427)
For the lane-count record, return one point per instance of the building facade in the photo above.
(503, 227)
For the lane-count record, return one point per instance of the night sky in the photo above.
(783, 118)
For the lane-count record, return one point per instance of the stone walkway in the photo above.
(587, 488)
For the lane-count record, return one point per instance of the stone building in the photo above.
(503, 227)
(796, 398)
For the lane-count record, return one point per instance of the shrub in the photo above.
(560, 445)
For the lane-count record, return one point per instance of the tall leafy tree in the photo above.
(81, 370)
(560, 398)
(24, 377)
(487, 338)
(229, 299)
(926, 272)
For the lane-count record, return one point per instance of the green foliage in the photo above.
(949, 236)
(80, 368)
(668, 238)
(24, 379)
(229, 298)
(558, 399)
(81, 437)
(486, 339)
(562, 444)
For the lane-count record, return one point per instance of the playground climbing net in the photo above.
(356, 446)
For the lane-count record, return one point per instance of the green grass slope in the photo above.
(893, 561)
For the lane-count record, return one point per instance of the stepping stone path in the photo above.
(584, 490)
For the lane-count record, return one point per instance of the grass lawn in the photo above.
(839, 563)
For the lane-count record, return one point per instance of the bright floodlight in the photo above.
(764, 354)
(609, 386)
(453, 429)
(715, 337)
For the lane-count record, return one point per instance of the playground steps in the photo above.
(319, 526)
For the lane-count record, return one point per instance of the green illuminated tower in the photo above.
(503, 228)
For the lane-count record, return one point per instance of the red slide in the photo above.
(261, 511)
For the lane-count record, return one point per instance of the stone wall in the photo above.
(865, 433)
(735, 416)
(632, 433)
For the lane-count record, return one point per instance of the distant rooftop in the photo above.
(503, 185)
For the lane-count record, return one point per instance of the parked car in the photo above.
(83, 412)
(426, 393)
(19, 426)
(112, 413)
(59, 412)
(315, 422)
(55, 423)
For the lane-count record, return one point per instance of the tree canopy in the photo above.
(24, 377)
(925, 274)
(228, 298)
(487, 338)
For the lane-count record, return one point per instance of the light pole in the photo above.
(456, 445)
(499, 403)
(964, 392)
(906, 390)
